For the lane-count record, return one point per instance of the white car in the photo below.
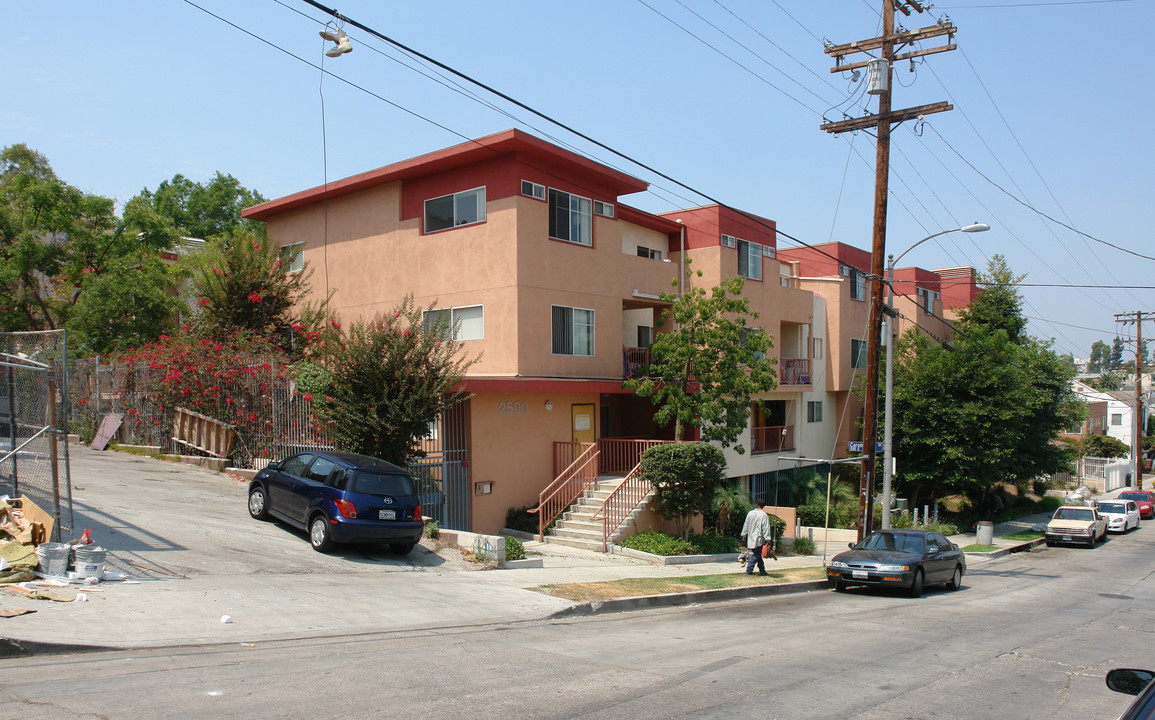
(1122, 515)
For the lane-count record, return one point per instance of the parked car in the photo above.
(339, 497)
(1076, 524)
(1134, 682)
(909, 559)
(1122, 515)
(1143, 499)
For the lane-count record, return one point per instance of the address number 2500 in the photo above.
(513, 408)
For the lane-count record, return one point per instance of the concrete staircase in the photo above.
(576, 526)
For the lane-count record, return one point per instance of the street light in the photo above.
(887, 448)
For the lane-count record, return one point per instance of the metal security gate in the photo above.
(442, 476)
(33, 435)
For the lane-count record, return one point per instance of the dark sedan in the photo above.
(340, 497)
(908, 559)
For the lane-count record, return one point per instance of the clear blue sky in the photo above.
(1050, 98)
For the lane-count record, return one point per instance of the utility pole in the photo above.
(1137, 434)
(879, 76)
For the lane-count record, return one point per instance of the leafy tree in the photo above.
(1107, 381)
(1100, 357)
(1103, 446)
(1116, 360)
(986, 411)
(708, 367)
(686, 477)
(125, 308)
(192, 209)
(390, 380)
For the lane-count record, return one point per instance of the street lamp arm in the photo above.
(976, 227)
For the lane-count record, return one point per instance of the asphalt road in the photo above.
(1029, 636)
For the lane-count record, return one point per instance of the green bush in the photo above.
(514, 550)
(812, 515)
(711, 543)
(1051, 503)
(520, 518)
(85, 427)
(777, 528)
(431, 530)
(657, 543)
(803, 546)
(686, 476)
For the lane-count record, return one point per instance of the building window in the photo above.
(459, 323)
(857, 283)
(449, 211)
(1116, 418)
(573, 331)
(645, 336)
(533, 190)
(293, 257)
(817, 343)
(650, 253)
(857, 354)
(814, 411)
(927, 299)
(729, 241)
(769, 251)
(569, 218)
(750, 260)
(747, 332)
(603, 209)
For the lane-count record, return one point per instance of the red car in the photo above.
(1143, 499)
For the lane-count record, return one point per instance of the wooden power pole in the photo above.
(879, 76)
(1137, 317)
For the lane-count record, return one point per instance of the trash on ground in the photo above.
(226, 619)
(15, 612)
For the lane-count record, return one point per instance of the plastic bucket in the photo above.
(53, 558)
(89, 561)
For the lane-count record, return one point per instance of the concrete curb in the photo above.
(595, 607)
(1021, 547)
(12, 647)
(674, 559)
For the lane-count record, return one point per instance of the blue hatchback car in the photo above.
(339, 497)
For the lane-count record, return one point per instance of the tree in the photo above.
(986, 411)
(192, 209)
(1103, 446)
(1116, 360)
(686, 477)
(708, 367)
(391, 379)
(1100, 357)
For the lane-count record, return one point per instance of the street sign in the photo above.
(855, 446)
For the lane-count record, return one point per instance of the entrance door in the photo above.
(584, 429)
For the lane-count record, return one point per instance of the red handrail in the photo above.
(621, 503)
(622, 455)
(566, 488)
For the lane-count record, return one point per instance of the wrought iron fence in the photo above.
(34, 423)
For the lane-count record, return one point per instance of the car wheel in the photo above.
(916, 584)
(402, 548)
(258, 506)
(956, 579)
(319, 536)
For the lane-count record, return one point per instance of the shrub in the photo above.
(657, 543)
(812, 515)
(685, 475)
(514, 550)
(520, 518)
(711, 543)
(1051, 503)
(777, 528)
(431, 530)
(803, 546)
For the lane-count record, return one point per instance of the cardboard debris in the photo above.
(27, 524)
(15, 612)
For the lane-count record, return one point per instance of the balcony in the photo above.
(634, 359)
(771, 439)
(794, 371)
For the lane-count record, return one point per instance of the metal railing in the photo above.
(771, 439)
(622, 455)
(634, 359)
(794, 371)
(567, 487)
(621, 503)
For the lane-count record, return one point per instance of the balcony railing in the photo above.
(771, 439)
(795, 371)
(634, 359)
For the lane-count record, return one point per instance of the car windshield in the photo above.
(897, 542)
(1074, 514)
(1112, 508)
(1134, 496)
(372, 483)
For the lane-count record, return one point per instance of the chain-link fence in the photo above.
(34, 423)
(258, 401)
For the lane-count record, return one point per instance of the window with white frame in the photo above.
(573, 331)
(1116, 418)
(650, 253)
(857, 354)
(769, 251)
(814, 411)
(603, 209)
(857, 283)
(459, 323)
(816, 343)
(292, 257)
(570, 218)
(750, 259)
(927, 299)
(729, 241)
(449, 211)
(533, 190)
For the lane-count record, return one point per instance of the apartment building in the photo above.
(554, 285)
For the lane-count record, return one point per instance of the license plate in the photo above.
(859, 574)
(386, 514)
(1066, 538)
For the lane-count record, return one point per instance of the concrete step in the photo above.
(570, 542)
(593, 526)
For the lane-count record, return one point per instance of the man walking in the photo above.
(756, 532)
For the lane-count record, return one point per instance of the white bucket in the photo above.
(89, 561)
(53, 558)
